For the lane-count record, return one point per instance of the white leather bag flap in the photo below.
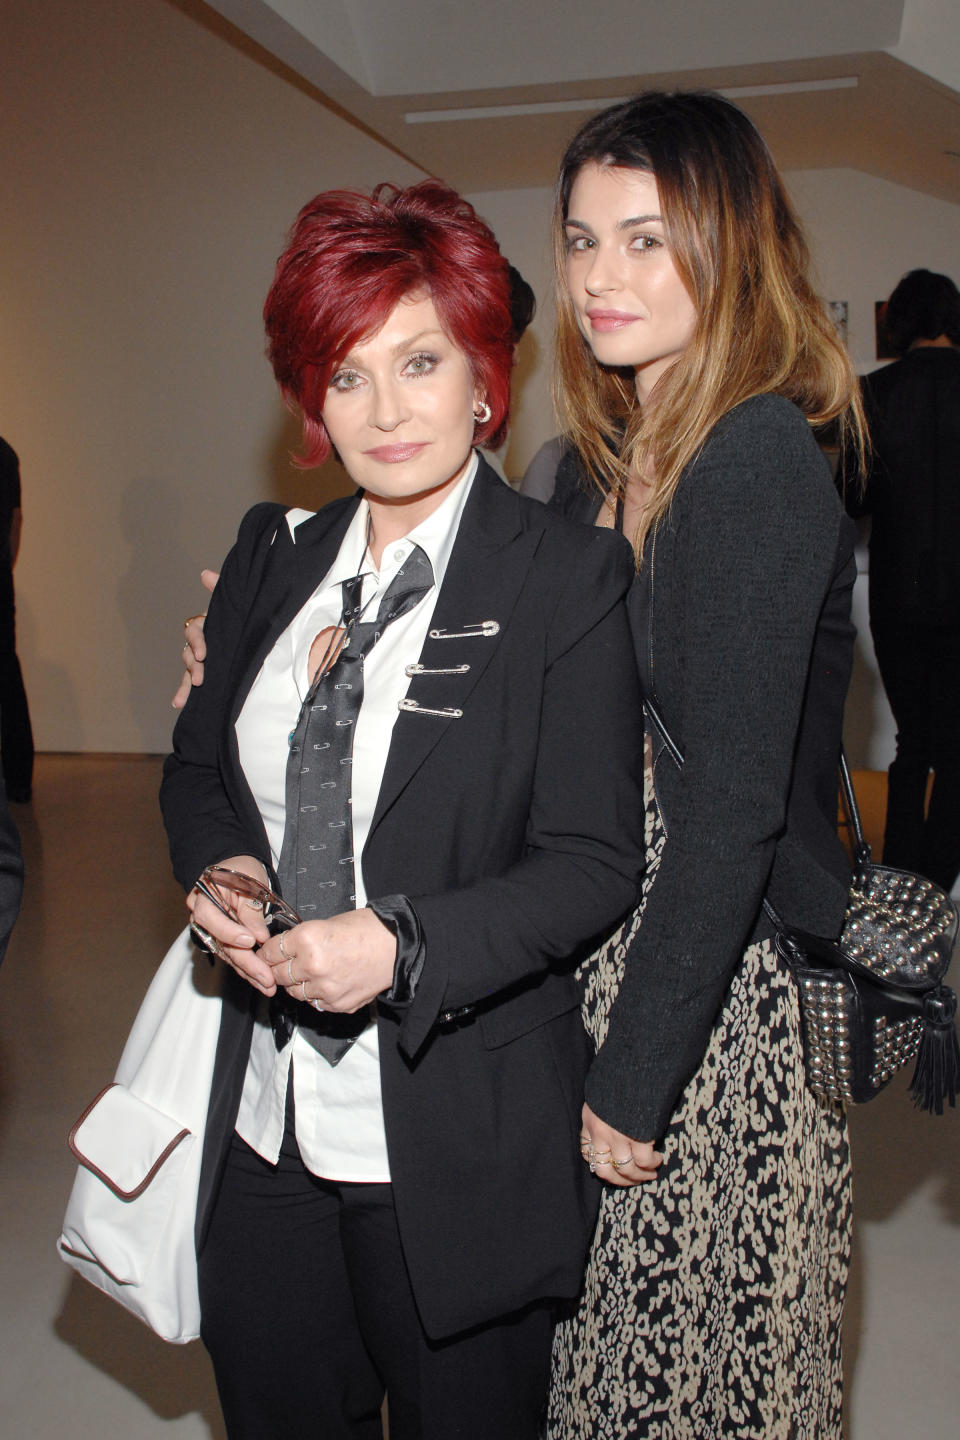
(137, 1153)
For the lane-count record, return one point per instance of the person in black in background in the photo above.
(913, 496)
(11, 874)
(16, 735)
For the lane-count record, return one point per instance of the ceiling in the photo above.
(486, 96)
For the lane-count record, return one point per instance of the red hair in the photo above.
(351, 258)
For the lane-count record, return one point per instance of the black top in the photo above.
(747, 646)
(913, 488)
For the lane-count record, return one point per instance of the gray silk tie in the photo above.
(316, 867)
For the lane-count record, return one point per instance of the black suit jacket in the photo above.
(516, 831)
(913, 490)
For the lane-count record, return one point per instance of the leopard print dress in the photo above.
(713, 1296)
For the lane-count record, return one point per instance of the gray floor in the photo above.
(98, 914)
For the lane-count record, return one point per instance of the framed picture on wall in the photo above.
(840, 315)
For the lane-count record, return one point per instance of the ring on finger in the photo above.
(289, 959)
(303, 991)
(316, 1004)
(619, 1164)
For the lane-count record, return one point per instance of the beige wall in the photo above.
(149, 170)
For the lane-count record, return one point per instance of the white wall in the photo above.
(149, 171)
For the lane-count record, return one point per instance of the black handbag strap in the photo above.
(853, 809)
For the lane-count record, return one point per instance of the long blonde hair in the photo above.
(740, 252)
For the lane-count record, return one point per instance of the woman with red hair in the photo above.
(419, 725)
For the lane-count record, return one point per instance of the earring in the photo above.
(483, 415)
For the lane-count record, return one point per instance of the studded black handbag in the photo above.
(873, 999)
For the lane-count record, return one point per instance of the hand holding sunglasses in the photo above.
(247, 902)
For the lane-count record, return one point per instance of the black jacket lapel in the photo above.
(487, 570)
(293, 571)
(291, 574)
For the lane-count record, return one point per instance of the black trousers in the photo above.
(309, 1317)
(920, 669)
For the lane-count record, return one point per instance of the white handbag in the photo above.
(129, 1226)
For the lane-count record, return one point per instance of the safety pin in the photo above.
(413, 708)
(425, 670)
(469, 632)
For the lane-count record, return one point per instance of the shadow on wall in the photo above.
(151, 515)
(50, 689)
(291, 486)
(527, 359)
(173, 1380)
(168, 528)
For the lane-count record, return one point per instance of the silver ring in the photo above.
(303, 991)
(289, 959)
(316, 1004)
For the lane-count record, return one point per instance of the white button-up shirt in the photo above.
(339, 1111)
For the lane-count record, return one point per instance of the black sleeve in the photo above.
(584, 843)
(202, 824)
(11, 874)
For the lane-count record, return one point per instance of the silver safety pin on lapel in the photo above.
(425, 670)
(477, 630)
(412, 708)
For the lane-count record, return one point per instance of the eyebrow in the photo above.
(621, 224)
(402, 345)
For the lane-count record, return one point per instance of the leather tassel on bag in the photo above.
(937, 1074)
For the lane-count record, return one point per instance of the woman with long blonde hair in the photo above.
(694, 364)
